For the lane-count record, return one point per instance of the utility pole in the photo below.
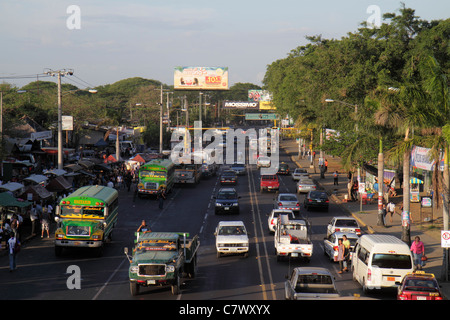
(59, 74)
(161, 122)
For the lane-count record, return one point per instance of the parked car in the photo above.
(419, 286)
(316, 199)
(228, 177)
(263, 162)
(287, 201)
(343, 224)
(298, 173)
(239, 168)
(227, 201)
(330, 243)
(305, 185)
(310, 283)
(283, 168)
(273, 217)
(231, 238)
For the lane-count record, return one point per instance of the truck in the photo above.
(293, 238)
(269, 182)
(161, 259)
(187, 173)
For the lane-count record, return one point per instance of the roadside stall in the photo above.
(414, 189)
(37, 193)
(13, 188)
(36, 179)
(8, 207)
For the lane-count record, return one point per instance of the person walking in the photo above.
(45, 222)
(390, 209)
(418, 251)
(13, 245)
(336, 177)
(144, 227)
(346, 244)
(340, 256)
(161, 196)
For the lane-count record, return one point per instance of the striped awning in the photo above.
(416, 181)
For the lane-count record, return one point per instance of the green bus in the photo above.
(86, 218)
(155, 174)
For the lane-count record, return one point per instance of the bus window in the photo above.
(66, 210)
(152, 174)
(93, 211)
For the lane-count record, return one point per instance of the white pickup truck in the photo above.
(292, 239)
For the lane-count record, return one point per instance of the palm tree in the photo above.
(402, 109)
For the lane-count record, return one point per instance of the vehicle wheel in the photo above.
(58, 251)
(176, 285)
(134, 288)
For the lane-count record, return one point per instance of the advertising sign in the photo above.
(260, 116)
(420, 158)
(67, 122)
(201, 78)
(240, 105)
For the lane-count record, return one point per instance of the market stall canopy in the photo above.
(59, 184)
(415, 181)
(56, 172)
(38, 193)
(13, 187)
(7, 200)
(73, 167)
(36, 179)
(86, 164)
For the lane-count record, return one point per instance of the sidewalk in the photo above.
(429, 232)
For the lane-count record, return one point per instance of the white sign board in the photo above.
(445, 239)
(67, 123)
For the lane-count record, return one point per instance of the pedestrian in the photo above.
(45, 222)
(161, 196)
(336, 176)
(340, 256)
(390, 209)
(346, 244)
(418, 251)
(13, 247)
(143, 227)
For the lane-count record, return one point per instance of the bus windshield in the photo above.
(152, 174)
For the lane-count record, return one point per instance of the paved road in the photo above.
(42, 276)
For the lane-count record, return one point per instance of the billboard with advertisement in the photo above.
(259, 95)
(240, 105)
(201, 78)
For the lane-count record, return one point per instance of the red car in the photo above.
(419, 286)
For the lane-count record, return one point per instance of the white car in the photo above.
(343, 224)
(231, 238)
(330, 243)
(273, 217)
(263, 162)
(305, 185)
(298, 173)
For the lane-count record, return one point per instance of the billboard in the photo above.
(200, 78)
(240, 105)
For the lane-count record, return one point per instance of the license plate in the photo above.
(77, 243)
(151, 281)
(421, 298)
(226, 208)
(390, 278)
(294, 254)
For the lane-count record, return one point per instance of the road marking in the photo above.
(109, 279)
(257, 213)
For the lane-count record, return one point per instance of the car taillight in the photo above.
(280, 204)
(402, 297)
(438, 298)
(337, 229)
(327, 201)
(298, 204)
(369, 275)
(272, 221)
(357, 231)
(309, 200)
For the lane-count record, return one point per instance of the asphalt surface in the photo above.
(42, 276)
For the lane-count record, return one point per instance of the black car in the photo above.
(316, 199)
(228, 177)
(227, 201)
(283, 168)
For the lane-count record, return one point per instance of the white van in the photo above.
(379, 261)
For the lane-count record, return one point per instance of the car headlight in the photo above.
(218, 204)
(170, 268)
(235, 204)
(134, 269)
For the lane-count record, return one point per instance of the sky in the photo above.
(105, 41)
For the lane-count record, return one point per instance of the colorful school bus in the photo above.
(155, 174)
(86, 218)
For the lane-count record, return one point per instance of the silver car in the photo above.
(306, 185)
(330, 243)
(299, 173)
(310, 283)
(287, 201)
